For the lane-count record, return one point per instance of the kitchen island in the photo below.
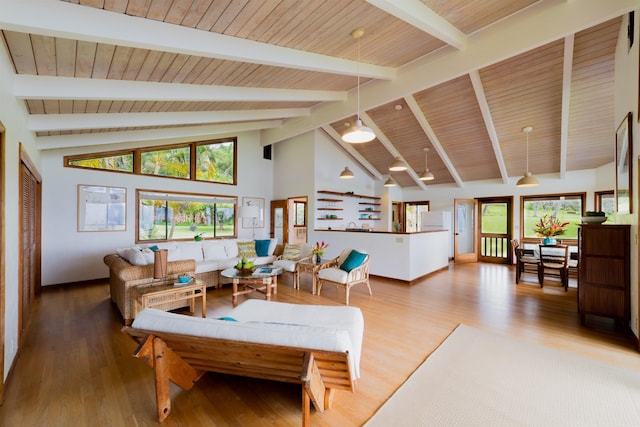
(401, 256)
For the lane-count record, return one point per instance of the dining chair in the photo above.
(526, 260)
(554, 262)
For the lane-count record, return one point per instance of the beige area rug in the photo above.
(475, 378)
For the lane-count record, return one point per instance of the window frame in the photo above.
(188, 197)
(558, 196)
(137, 159)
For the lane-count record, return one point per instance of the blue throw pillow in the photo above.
(354, 260)
(154, 248)
(262, 247)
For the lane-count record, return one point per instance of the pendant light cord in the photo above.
(527, 171)
(358, 70)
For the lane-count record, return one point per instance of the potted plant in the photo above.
(548, 227)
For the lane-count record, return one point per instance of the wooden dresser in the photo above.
(604, 272)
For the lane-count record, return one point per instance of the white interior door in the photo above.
(465, 230)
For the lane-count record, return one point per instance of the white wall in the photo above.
(71, 256)
(626, 90)
(13, 118)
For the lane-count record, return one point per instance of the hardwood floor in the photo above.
(76, 366)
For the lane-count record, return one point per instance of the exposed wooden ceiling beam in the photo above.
(62, 122)
(97, 25)
(566, 102)
(488, 121)
(386, 142)
(167, 135)
(415, 12)
(428, 130)
(50, 87)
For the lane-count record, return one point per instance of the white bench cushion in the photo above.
(294, 325)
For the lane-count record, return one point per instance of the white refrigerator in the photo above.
(439, 220)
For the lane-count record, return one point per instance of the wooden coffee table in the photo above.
(259, 280)
(307, 266)
(158, 294)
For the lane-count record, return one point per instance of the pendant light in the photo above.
(358, 133)
(426, 175)
(389, 182)
(397, 165)
(346, 173)
(527, 180)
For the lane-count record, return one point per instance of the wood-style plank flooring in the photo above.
(76, 368)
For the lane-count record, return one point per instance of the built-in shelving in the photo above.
(328, 203)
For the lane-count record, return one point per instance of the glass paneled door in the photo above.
(465, 232)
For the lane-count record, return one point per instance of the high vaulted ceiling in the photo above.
(469, 75)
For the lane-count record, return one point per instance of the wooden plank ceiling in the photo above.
(113, 71)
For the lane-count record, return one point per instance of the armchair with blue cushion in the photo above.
(346, 270)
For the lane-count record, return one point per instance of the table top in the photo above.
(169, 285)
(310, 263)
(257, 273)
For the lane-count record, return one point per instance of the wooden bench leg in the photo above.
(167, 366)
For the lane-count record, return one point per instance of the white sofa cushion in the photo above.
(137, 256)
(262, 330)
(287, 264)
(191, 250)
(334, 274)
(214, 250)
(231, 246)
(339, 317)
(174, 252)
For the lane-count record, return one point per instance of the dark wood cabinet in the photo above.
(604, 271)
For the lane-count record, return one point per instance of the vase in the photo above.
(549, 241)
(316, 259)
(197, 238)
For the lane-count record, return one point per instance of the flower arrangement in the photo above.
(549, 226)
(197, 237)
(318, 248)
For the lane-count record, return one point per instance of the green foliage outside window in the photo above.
(165, 216)
(564, 208)
(173, 162)
(215, 162)
(116, 162)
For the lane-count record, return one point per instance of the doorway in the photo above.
(495, 224)
(464, 230)
(289, 220)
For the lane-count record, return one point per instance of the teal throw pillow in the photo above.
(354, 260)
(262, 247)
(154, 248)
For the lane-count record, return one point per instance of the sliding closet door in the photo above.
(29, 240)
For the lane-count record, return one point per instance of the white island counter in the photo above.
(401, 256)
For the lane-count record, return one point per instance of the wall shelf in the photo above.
(331, 219)
(330, 209)
(347, 194)
(368, 219)
(368, 210)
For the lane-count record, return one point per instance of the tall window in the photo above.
(300, 213)
(606, 202)
(565, 207)
(210, 161)
(176, 216)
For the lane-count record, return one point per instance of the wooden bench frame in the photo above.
(183, 359)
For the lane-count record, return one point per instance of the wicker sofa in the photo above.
(131, 267)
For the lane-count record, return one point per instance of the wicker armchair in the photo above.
(331, 273)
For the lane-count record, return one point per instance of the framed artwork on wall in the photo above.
(102, 208)
(624, 144)
(257, 222)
